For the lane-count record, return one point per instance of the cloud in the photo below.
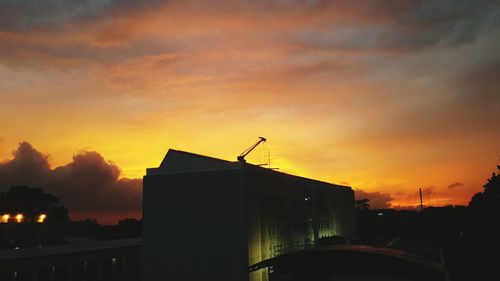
(87, 183)
(32, 14)
(87, 28)
(28, 166)
(455, 185)
(411, 86)
(378, 200)
(406, 26)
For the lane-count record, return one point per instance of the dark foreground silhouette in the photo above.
(469, 236)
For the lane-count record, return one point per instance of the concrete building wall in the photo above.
(289, 213)
(195, 226)
(210, 222)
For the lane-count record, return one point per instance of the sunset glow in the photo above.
(383, 99)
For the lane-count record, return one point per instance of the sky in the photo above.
(384, 96)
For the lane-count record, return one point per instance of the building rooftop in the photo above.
(75, 247)
(177, 161)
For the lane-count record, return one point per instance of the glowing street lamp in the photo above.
(41, 217)
(5, 218)
(19, 218)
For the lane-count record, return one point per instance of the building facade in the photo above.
(207, 218)
(113, 260)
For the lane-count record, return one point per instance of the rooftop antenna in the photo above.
(269, 161)
(421, 205)
(241, 157)
(268, 158)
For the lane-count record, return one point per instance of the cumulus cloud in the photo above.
(88, 182)
(378, 200)
(455, 185)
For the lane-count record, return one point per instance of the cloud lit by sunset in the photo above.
(385, 97)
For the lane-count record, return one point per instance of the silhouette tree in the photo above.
(363, 217)
(484, 209)
(362, 204)
(32, 202)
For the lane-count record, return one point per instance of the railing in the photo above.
(291, 247)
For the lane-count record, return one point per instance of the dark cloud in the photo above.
(438, 23)
(24, 15)
(88, 182)
(455, 185)
(477, 86)
(27, 167)
(407, 26)
(470, 104)
(378, 200)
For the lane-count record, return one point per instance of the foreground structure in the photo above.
(353, 263)
(210, 219)
(83, 260)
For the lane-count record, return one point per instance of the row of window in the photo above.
(86, 271)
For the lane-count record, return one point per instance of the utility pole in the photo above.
(421, 205)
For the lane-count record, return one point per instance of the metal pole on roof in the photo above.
(421, 205)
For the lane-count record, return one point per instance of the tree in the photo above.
(31, 202)
(484, 209)
(362, 204)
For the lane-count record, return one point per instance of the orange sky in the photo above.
(385, 97)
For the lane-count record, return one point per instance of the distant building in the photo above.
(210, 219)
(84, 260)
(31, 234)
(69, 251)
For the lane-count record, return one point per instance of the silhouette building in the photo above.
(210, 219)
(76, 260)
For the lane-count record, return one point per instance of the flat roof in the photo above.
(180, 162)
(70, 248)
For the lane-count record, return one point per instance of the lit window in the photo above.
(19, 217)
(41, 217)
(5, 218)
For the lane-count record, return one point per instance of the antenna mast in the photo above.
(421, 205)
(241, 157)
